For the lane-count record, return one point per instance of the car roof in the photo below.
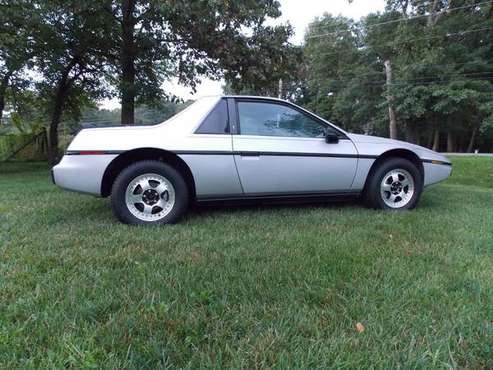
(246, 96)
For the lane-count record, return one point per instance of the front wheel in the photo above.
(396, 184)
(149, 192)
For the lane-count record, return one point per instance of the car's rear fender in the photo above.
(82, 172)
(128, 157)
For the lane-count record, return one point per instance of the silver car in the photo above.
(239, 147)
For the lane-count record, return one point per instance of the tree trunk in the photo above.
(404, 7)
(390, 101)
(436, 141)
(61, 94)
(128, 63)
(470, 147)
(450, 142)
(3, 87)
(411, 133)
(432, 18)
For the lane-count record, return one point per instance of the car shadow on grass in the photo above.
(199, 209)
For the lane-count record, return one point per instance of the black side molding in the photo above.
(225, 152)
(433, 161)
(93, 152)
(251, 153)
(281, 197)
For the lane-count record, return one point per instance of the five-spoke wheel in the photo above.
(150, 197)
(149, 192)
(397, 188)
(396, 183)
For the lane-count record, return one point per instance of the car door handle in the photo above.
(250, 154)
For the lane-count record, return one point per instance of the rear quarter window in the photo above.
(217, 121)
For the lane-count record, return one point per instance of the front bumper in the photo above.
(436, 172)
(82, 173)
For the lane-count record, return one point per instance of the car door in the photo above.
(208, 152)
(280, 149)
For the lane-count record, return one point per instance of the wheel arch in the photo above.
(135, 155)
(396, 153)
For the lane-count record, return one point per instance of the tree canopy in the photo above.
(82, 51)
(156, 40)
(442, 65)
(422, 70)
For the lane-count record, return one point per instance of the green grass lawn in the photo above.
(256, 287)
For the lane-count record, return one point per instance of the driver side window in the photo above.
(271, 119)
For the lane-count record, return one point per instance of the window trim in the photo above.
(237, 131)
(233, 116)
(228, 120)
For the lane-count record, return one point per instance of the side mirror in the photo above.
(331, 138)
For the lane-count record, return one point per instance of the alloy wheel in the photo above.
(397, 188)
(150, 197)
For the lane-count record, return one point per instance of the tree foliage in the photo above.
(83, 51)
(58, 57)
(15, 50)
(70, 45)
(189, 40)
(441, 53)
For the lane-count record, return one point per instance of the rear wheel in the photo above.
(149, 192)
(396, 185)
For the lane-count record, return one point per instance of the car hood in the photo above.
(376, 140)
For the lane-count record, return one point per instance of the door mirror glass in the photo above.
(331, 138)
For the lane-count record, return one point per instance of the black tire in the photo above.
(372, 194)
(118, 192)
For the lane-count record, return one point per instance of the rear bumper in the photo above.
(81, 173)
